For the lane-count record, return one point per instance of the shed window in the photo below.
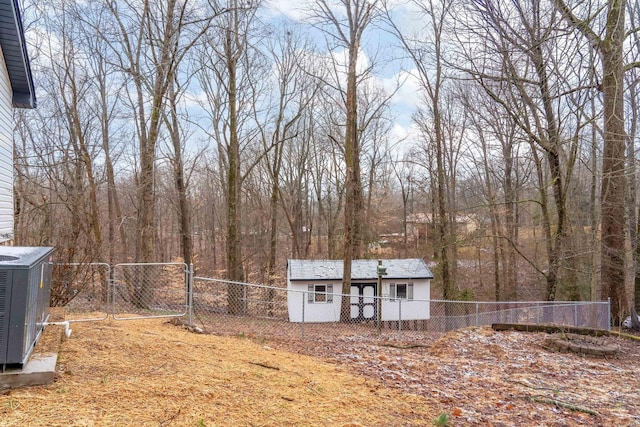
(400, 291)
(320, 294)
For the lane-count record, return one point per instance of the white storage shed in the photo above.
(315, 290)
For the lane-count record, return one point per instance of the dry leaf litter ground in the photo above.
(153, 373)
(487, 378)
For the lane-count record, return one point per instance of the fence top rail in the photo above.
(77, 264)
(134, 264)
(533, 302)
(541, 304)
(252, 285)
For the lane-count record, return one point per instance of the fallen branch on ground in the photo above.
(403, 347)
(562, 405)
(264, 365)
(555, 390)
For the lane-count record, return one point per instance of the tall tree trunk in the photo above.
(634, 89)
(511, 222)
(235, 270)
(113, 202)
(448, 291)
(495, 219)
(184, 215)
(632, 196)
(613, 163)
(352, 187)
(593, 214)
(551, 145)
(359, 14)
(612, 199)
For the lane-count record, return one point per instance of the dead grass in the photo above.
(151, 373)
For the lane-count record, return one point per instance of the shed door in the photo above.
(363, 302)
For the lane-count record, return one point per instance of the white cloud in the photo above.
(296, 10)
(302, 10)
(399, 132)
(194, 99)
(405, 133)
(408, 17)
(407, 96)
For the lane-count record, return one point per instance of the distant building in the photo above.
(316, 287)
(421, 226)
(16, 91)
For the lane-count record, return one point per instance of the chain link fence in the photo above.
(236, 308)
(135, 290)
(93, 291)
(150, 290)
(83, 289)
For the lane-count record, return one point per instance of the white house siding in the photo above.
(6, 155)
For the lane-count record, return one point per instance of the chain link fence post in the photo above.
(477, 314)
(304, 299)
(111, 292)
(399, 319)
(190, 274)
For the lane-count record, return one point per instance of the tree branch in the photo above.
(581, 25)
(631, 66)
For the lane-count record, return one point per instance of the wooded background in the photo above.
(213, 132)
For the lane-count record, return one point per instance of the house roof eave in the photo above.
(16, 57)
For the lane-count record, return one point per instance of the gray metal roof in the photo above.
(14, 49)
(362, 269)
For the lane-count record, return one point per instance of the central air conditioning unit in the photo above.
(25, 287)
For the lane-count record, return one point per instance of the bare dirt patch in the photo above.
(151, 373)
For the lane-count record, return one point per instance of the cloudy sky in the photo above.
(390, 67)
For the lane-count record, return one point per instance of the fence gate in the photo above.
(82, 289)
(146, 290)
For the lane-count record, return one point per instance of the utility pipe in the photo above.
(67, 329)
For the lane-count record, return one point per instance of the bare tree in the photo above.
(610, 48)
(633, 90)
(327, 177)
(64, 139)
(496, 133)
(345, 27)
(146, 41)
(283, 132)
(426, 53)
(176, 135)
(404, 171)
(521, 74)
(226, 79)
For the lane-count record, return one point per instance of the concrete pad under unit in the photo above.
(39, 370)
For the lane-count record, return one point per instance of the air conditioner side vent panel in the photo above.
(25, 287)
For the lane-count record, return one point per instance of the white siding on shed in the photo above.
(6, 155)
(301, 308)
(416, 304)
